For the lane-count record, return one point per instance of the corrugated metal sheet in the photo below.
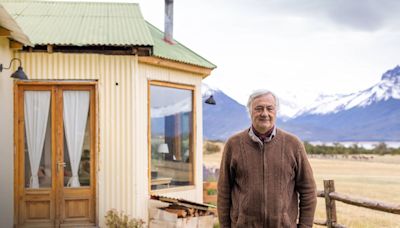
(177, 51)
(89, 23)
(117, 153)
(80, 23)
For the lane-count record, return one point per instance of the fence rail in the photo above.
(210, 196)
(331, 196)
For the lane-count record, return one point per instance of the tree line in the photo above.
(337, 148)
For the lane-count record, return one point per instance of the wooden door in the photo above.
(55, 135)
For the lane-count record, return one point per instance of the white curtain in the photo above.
(37, 106)
(76, 107)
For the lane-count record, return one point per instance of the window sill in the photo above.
(175, 189)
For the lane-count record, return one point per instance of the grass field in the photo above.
(376, 179)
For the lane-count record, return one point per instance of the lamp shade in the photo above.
(210, 100)
(163, 148)
(19, 74)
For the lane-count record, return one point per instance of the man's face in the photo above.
(263, 113)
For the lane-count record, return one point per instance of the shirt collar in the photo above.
(262, 136)
(254, 137)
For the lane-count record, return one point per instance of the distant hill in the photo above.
(372, 114)
(223, 119)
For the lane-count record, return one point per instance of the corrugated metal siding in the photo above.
(123, 156)
(117, 150)
(80, 23)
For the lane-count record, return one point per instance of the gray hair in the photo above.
(259, 93)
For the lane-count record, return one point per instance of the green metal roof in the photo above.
(95, 24)
(80, 23)
(177, 51)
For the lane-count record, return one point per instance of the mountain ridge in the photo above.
(367, 115)
(388, 87)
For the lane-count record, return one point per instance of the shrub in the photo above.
(210, 148)
(115, 219)
(211, 192)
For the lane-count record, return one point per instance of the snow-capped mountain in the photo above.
(372, 114)
(207, 90)
(387, 88)
(287, 109)
(223, 119)
(368, 115)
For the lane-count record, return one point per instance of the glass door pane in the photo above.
(76, 119)
(37, 149)
(84, 166)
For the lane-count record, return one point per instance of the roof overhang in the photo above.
(7, 23)
(202, 71)
(100, 49)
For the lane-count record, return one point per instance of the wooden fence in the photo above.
(210, 197)
(331, 196)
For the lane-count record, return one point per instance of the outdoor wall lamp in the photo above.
(19, 74)
(210, 100)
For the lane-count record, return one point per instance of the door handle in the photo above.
(63, 164)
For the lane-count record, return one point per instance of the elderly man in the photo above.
(265, 177)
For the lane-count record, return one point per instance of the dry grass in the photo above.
(374, 180)
(213, 159)
(378, 179)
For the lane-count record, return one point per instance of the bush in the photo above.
(210, 148)
(337, 148)
(115, 219)
(211, 192)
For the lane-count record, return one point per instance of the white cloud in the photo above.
(297, 48)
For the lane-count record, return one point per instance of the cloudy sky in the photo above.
(297, 48)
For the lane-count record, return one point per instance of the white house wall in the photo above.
(122, 156)
(6, 137)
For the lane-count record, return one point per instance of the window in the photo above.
(171, 135)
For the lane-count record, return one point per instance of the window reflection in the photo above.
(171, 112)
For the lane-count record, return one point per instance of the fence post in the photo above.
(329, 186)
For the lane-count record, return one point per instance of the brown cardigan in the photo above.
(266, 185)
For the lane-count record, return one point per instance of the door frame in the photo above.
(19, 132)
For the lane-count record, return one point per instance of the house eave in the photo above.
(100, 49)
(201, 71)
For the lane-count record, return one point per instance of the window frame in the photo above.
(174, 85)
